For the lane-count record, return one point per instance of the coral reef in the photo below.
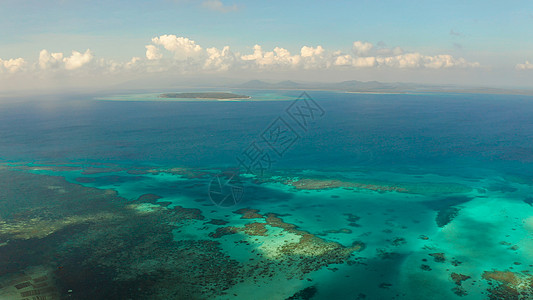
(320, 184)
(438, 257)
(509, 285)
(505, 277)
(189, 173)
(103, 247)
(222, 231)
(459, 278)
(305, 294)
(299, 255)
(217, 222)
(255, 229)
(248, 213)
(458, 289)
(398, 241)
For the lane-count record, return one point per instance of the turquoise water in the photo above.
(432, 185)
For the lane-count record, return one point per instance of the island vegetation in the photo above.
(205, 95)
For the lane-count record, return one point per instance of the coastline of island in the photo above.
(205, 96)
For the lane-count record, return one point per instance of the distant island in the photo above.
(206, 95)
(376, 87)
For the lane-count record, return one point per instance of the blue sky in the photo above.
(491, 36)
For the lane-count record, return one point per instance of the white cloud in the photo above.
(364, 62)
(219, 60)
(343, 60)
(408, 60)
(182, 47)
(217, 5)
(314, 57)
(357, 62)
(57, 60)
(367, 56)
(443, 61)
(361, 48)
(181, 55)
(389, 52)
(77, 59)
(310, 51)
(133, 62)
(417, 60)
(191, 57)
(278, 57)
(12, 65)
(152, 52)
(525, 66)
(404, 61)
(49, 60)
(258, 54)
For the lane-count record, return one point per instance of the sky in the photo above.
(104, 44)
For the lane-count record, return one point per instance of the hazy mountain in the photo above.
(377, 87)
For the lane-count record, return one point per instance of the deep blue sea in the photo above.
(436, 186)
(406, 132)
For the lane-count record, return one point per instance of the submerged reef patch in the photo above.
(509, 285)
(305, 294)
(458, 279)
(299, 251)
(103, 247)
(248, 213)
(189, 173)
(447, 208)
(321, 182)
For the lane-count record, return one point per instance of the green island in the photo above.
(205, 95)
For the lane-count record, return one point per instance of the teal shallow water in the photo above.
(493, 230)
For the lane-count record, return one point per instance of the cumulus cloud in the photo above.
(389, 52)
(278, 57)
(361, 48)
(314, 57)
(77, 59)
(219, 60)
(367, 56)
(182, 47)
(343, 60)
(417, 60)
(357, 62)
(312, 52)
(525, 66)
(152, 52)
(133, 62)
(181, 55)
(217, 5)
(49, 60)
(12, 65)
(58, 60)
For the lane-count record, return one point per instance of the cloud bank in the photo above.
(363, 55)
(181, 55)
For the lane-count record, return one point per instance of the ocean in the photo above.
(350, 196)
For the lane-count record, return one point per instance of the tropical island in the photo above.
(205, 95)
